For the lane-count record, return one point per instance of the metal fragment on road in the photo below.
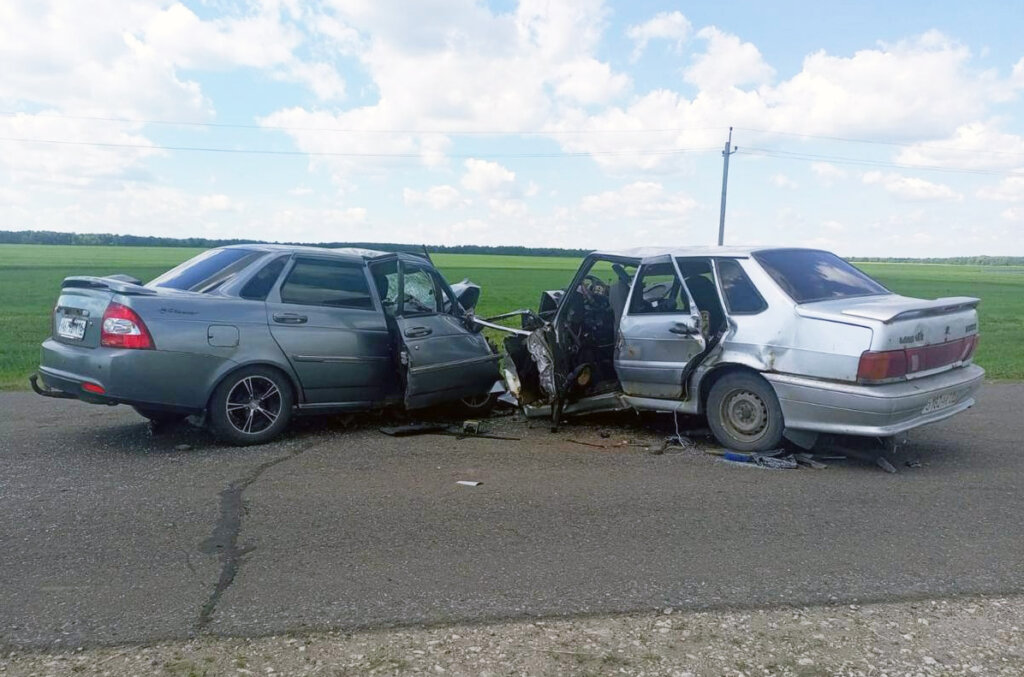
(468, 483)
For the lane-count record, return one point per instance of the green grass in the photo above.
(30, 277)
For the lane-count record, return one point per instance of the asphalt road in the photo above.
(109, 534)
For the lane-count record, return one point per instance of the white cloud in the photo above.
(1010, 189)
(827, 172)
(911, 188)
(435, 197)
(487, 178)
(974, 145)
(671, 26)
(782, 181)
(728, 62)
(639, 201)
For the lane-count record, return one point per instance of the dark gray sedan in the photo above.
(247, 335)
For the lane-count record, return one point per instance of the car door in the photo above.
(659, 332)
(443, 360)
(333, 332)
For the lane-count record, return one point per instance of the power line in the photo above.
(811, 157)
(353, 130)
(261, 151)
(895, 144)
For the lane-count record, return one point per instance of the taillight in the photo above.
(123, 328)
(881, 366)
(970, 345)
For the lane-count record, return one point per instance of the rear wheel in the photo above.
(160, 415)
(251, 406)
(744, 413)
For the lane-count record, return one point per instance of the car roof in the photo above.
(345, 252)
(645, 253)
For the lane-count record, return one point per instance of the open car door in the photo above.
(659, 333)
(443, 361)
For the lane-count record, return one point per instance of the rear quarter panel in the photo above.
(780, 340)
(198, 333)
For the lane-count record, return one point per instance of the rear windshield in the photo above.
(809, 275)
(207, 271)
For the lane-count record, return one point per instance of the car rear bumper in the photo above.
(147, 378)
(877, 411)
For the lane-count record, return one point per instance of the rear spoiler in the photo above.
(922, 308)
(119, 284)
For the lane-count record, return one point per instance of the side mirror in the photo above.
(467, 293)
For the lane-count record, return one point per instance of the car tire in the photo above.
(744, 413)
(251, 406)
(478, 405)
(160, 415)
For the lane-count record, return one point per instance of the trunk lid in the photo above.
(936, 334)
(78, 314)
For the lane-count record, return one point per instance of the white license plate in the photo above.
(941, 402)
(71, 328)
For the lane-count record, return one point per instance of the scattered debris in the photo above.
(883, 463)
(809, 461)
(471, 427)
(914, 463)
(413, 429)
(587, 444)
(762, 460)
(468, 483)
(457, 431)
(183, 447)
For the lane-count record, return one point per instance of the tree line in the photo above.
(109, 239)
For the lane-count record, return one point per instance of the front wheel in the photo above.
(251, 406)
(744, 413)
(478, 405)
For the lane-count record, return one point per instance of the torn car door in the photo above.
(443, 360)
(659, 333)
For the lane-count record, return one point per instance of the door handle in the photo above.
(417, 332)
(290, 318)
(681, 329)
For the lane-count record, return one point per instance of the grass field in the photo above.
(30, 277)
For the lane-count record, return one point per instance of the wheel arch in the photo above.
(235, 367)
(717, 372)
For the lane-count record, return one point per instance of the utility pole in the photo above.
(729, 150)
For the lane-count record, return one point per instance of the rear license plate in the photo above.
(71, 328)
(941, 402)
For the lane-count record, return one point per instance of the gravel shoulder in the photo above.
(968, 636)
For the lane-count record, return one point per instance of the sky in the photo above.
(874, 128)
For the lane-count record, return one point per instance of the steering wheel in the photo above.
(596, 286)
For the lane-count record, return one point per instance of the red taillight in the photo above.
(882, 365)
(123, 328)
(970, 345)
(93, 388)
(890, 364)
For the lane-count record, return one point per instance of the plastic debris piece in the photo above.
(914, 463)
(468, 483)
(883, 463)
(471, 427)
(413, 429)
(809, 461)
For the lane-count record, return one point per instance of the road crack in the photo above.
(224, 539)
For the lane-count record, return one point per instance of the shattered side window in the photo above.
(385, 277)
(420, 292)
(809, 275)
(657, 290)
